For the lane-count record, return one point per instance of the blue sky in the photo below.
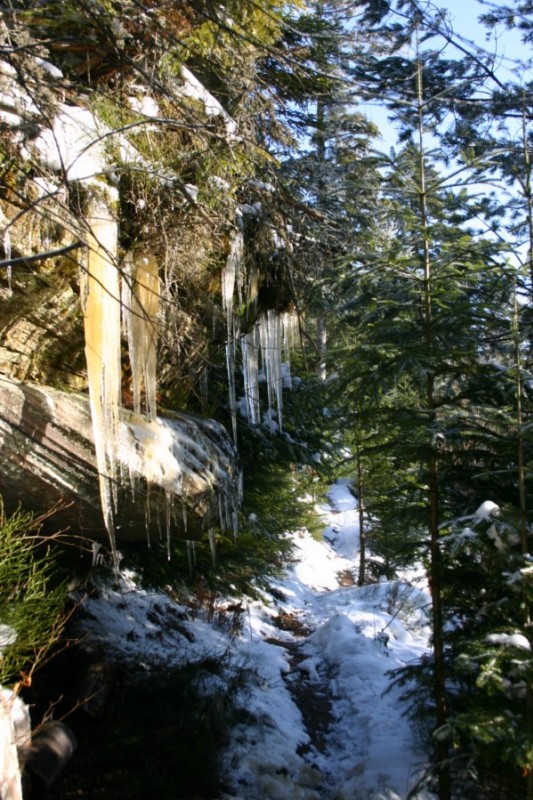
(505, 45)
(464, 18)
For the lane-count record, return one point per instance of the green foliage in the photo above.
(279, 491)
(165, 734)
(31, 602)
(427, 383)
(487, 592)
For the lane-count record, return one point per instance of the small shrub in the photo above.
(31, 601)
(165, 734)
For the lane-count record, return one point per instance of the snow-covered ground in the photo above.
(320, 725)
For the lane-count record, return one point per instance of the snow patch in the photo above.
(509, 640)
(487, 511)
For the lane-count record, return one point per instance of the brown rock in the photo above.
(47, 455)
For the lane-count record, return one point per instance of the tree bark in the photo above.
(441, 747)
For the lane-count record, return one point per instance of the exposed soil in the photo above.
(312, 699)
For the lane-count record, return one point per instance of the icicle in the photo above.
(277, 375)
(191, 555)
(126, 294)
(250, 360)
(289, 324)
(230, 365)
(232, 274)
(184, 513)
(270, 336)
(168, 521)
(141, 316)
(7, 251)
(265, 360)
(252, 288)
(213, 546)
(100, 292)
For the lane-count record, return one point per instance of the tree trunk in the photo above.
(441, 748)
(360, 511)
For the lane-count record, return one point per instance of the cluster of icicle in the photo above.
(169, 454)
(265, 349)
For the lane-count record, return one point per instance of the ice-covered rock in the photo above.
(48, 454)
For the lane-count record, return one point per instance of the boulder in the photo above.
(179, 472)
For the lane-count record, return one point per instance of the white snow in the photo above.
(14, 732)
(350, 638)
(77, 145)
(74, 144)
(49, 68)
(509, 640)
(145, 105)
(7, 636)
(194, 89)
(487, 510)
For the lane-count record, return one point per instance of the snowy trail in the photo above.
(313, 656)
(357, 635)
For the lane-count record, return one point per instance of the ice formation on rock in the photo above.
(179, 460)
(232, 277)
(75, 147)
(100, 294)
(262, 348)
(250, 369)
(141, 309)
(182, 458)
(271, 339)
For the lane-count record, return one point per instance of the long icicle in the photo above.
(250, 368)
(100, 293)
(142, 326)
(231, 275)
(270, 337)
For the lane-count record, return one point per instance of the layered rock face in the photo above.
(178, 476)
(137, 266)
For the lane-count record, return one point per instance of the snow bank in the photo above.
(357, 635)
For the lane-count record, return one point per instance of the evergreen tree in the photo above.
(430, 336)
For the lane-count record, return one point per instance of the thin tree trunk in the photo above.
(528, 194)
(360, 511)
(441, 748)
(523, 512)
(320, 139)
(520, 443)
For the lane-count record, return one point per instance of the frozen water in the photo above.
(141, 314)
(100, 292)
(7, 251)
(231, 276)
(250, 367)
(356, 635)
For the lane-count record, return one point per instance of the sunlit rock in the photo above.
(175, 474)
